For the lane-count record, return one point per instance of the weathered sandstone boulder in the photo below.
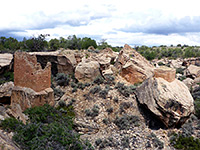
(105, 58)
(171, 102)
(28, 73)
(5, 92)
(191, 61)
(133, 66)
(26, 97)
(165, 73)
(192, 71)
(5, 62)
(87, 71)
(188, 82)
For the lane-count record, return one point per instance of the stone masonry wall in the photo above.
(28, 73)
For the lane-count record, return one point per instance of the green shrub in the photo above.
(95, 89)
(6, 77)
(11, 124)
(126, 121)
(180, 70)
(47, 128)
(103, 93)
(178, 141)
(197, 107)
(109, 79)
(62, 79)
(125, 142)
(98, 80)
(156, 142)
(125, 90)
(58, 92)
(93, 112)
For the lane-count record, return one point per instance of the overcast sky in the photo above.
(135, 22)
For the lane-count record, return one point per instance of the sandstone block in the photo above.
(166, 73)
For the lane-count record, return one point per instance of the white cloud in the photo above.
(145, 22)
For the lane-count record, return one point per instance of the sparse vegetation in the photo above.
(47, 128)
(186, 143)
(62, 79)
(6, 77)
(93, 112)
(126, 121)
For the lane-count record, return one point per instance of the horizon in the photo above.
(150, 23)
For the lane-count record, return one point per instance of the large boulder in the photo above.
(171, 102)
(133, 66)
(192, 71)
(6, 62)
(87, 70)
(165, 73)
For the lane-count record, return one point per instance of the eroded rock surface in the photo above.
(165, 72)
(27, 97)
(192, 71)
(87, 71)
(171, 102)
(133, 66)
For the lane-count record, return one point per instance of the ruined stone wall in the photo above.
(28, 73)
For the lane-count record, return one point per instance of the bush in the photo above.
(178, 141)
(11, 124)
(125, 142)
(47, 128)
(197, 107)
(96, 89)
(62, 79)
(58, 92)
(92, 113)
(98, 80)
(6, 77)
(156, 142)
(103, 93)
(125, 90)
(180, 70)
(126, 121)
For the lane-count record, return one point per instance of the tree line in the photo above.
(40, 43)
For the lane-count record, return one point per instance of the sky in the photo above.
(133, 22)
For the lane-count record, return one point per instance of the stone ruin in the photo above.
(28, 73)
(32, 84)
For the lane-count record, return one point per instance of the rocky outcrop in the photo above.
(133, 67)
(87, 71)
(191, 61)
(165, 72)
(192, 71)
(28, 73)
(6, 62)
(171, 102)
(26, 98)
(5, 92)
